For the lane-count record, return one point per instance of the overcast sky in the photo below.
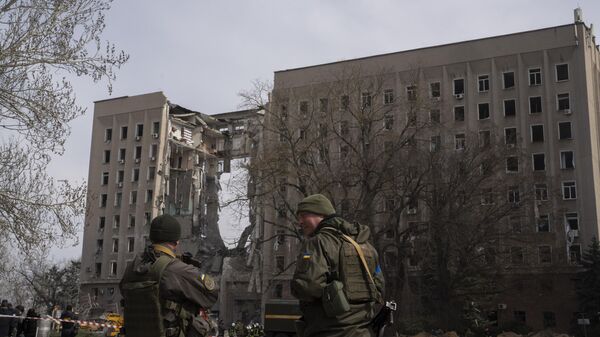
(202, 53)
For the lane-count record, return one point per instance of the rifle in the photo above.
(383, 318)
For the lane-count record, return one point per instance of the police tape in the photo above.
(56, 320)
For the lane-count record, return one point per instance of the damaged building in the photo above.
(149, 157)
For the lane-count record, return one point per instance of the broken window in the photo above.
(562, 72)
(435, 89)
(459, 86)
(543, 223)
(545, 254)
(512, 164)
(569, 190)
(537, 133)
(535, 105)
(508, 79)
(459, 113)
(388, 96)
(572, 221)
(567, 160)
(484, 110)
(535, 76)
(483, 83)
(563, 102)
(539, 162)
(510, 108)
(564, 130)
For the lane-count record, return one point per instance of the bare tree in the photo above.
(42, 42)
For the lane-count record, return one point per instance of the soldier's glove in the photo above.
(188, 258)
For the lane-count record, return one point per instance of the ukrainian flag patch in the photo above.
(306, 256)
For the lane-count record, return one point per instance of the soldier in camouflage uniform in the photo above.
(330, 254)
(163, 295)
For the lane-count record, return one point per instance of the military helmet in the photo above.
(165, 228)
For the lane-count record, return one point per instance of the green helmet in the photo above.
(165, 228)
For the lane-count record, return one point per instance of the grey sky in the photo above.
(202, 53)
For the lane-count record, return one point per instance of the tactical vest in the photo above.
(358, 286)
(145, 313)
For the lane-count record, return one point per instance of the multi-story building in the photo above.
(149, 157)
(536, 90)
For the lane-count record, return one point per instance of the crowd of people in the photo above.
(14, 324)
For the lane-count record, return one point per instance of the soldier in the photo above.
(337, 280)
(163, 295)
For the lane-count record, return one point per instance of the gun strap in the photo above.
(362, 257)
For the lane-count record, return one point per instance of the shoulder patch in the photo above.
(208, 282)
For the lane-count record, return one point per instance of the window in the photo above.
(278, 291)
(435, 144)
(459, 113)
(153, 151)
(149, 194)
(344, 128)
(483, 83)
(344, 102)
(98, 271)
(569, 190)
(564, 130)
(323, 105)
(411, 118)
(575, 254)
(388, 121)
(301, 134)
(485, 138)
(515, 224)
(135, 175)
(510, 136)
(107, 135)
(512, 164)
(365, 99)
(535, 105)
(434, 116)
(388, 96)
(132, 197)
(279, 263)
(283, 113)
(572, 221)
(459, 141)
(459, 86)
(545, 254)
(115, 246)
(513, 195)
(131, 221)
(124, 132)
(543, 223)
(539, 162)
(130, 244)
(139, 130)
(280, 237)
(106, 158)
(562, 72)
(103, 198)
(155, 128)
(484, 110)
(541, 192)
(508, 79)
(101, 222)
(118, 199)
(562, 101)
(435, 89)
(151, 172)
(99, 246)
(303, 107)
(567, 160)
(549, 319)
(516, 255)
(113, 268)
(138, 152)
(535, 77)
(120, 176)
(537, 133)
(148, 217)
(122, 153)
(104, 180)
(510, 107)
(411, 93)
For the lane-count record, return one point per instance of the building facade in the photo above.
(536, 91)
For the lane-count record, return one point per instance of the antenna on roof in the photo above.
(578, 15)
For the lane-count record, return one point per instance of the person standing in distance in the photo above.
(338, 280)
(163, 295)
